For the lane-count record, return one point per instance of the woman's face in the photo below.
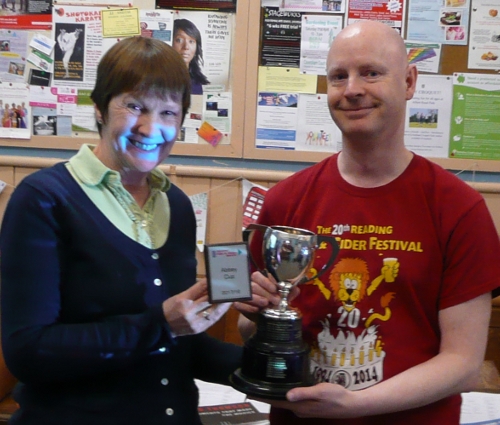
(185, 45)
(139, 132)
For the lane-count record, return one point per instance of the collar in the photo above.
(92, 172)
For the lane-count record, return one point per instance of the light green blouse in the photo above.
(150, 225)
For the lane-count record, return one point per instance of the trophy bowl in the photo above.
(275, 358)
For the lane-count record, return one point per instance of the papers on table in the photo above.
(214, 394)
(480, 408)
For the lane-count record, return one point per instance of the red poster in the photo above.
(26, 14)
(390, 12)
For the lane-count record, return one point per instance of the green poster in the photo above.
(475, 120)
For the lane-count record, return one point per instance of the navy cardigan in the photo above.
(82, 322)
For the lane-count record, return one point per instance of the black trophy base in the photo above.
(275, 360)
(262, 389)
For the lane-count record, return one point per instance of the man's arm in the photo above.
(464, 333)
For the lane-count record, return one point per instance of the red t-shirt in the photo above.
(422, 243)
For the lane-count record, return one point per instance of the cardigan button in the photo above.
(155, 256)
(164, 381)
(157, 282)
(169, 411)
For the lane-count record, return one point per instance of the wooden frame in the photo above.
(454, 59)
(244, 88)
(238, 88)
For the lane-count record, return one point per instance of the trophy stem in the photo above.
(284, 291)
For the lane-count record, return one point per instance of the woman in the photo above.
(187, 41)
(102, 320)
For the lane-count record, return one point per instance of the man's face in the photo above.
(367, 85)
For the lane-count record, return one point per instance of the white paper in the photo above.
(217, 111)
(14, 47)
(42, 43)
(316, 130)
(15, 111)
(317, 35)
(426, 56)
(484, 43)
(157, 23)
(277, 120)
(215, 394)
(439, 21)
(480, 408)
(200, 207)
(323, 6)
(428, 116)
(216, 30)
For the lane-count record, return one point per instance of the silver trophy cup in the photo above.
(275, 358)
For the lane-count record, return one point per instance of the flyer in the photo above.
(213, 32)
(318, 32)
(26, 14)
(280, 38)
(316, 131)
(426, 56)
(323, 6)
(390, 12)
(475, 122)
(276, 120)
(79, 45)
(428, 114)
(438, 21)
(484, 44)
(13, 48)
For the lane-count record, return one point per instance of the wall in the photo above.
(224, 217)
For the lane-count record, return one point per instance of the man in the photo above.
(67, 42)
(398, 326)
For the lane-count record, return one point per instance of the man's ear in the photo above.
(411, 81)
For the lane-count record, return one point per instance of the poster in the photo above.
(426, 56)
(475, 122)
(438, 21)
(322, 6)
(389, 12)
(14, 111)
(281, 32)
(428, 114)
(484, 43)
(276, 120)
(79, 45)
(13, 48)
(211, 34)
(157, 24)
(316, 131)
(318, 32)
(220, 5)
(26, 14)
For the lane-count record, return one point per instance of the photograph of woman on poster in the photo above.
(187, 41)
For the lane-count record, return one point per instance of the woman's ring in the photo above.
(206, 315)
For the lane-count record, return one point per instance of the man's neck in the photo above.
(373, 167)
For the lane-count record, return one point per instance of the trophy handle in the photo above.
(335, 250)
(246, 236)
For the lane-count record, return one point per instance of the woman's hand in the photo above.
(190, 313)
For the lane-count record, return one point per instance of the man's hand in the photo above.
(323, 400)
